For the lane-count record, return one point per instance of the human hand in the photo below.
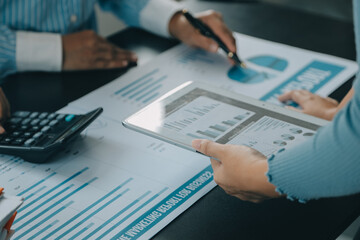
(240, 172)
(86, 50)
(180, 28)
(312, 104)
(4, 109)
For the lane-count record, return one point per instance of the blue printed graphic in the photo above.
(311, 78)
(248, 75)
(162, 209)
(271, 62)
(143, 89)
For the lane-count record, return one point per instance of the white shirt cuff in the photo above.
(157, 14)
(38, 51)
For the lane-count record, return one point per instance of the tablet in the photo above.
(196, 110)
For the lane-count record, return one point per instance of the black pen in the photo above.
(207, 32)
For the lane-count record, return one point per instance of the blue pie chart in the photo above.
(268, 61)
(247, 75)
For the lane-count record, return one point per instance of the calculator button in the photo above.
(26, 121)
(15, 120)
(16, 134)
(43, 115)
(29, 142)
(6, 140)
(44, 122)
(53, 123)
(21, 114)
(35, 122)
(34, 115)
(11, 127)
(24, 127)
(18, 141)
(51, 116)
(37, 135)
(60, 116)
(69, 117)
(45, 140)
(45, 129)
(27, 134)
(35, 129)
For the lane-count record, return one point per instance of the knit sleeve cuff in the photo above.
(272, 174)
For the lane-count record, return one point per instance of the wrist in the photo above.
(330, 113)
(175, 23)
(260, 181)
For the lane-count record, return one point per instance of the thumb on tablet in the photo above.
(209, 148)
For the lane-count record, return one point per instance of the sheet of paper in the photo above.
(111, 182)
(116, 183)
(272, 69)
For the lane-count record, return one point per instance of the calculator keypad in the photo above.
(35, 128)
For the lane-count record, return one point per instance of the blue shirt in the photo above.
(329, 164)
(32, 17)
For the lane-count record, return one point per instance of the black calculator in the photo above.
(36, 136)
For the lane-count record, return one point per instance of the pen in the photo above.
(207, 32)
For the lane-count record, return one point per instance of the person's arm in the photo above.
(164, 17)
(7, 51)
(29, 51)
(153, 15)
(326, 165)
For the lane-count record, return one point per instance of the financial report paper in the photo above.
(113, 183)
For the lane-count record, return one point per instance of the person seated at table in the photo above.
(61, 35)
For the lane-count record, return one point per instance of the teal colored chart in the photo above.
(248, 75)
(268, 61)
(287, 137)
(280, 143)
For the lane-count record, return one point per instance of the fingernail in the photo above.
(213, 47)
(124, 63)
(196, 144)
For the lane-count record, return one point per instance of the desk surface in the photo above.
(217, 215)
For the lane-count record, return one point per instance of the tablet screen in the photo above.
(205, 113)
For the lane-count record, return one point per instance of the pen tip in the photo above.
(243, 65)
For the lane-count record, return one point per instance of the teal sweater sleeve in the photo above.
(329, 164)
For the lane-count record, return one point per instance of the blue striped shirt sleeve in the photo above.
(127, 10)
(7, 51)
(152, 15)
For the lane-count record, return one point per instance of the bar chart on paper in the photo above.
(68, 207)
(142, 90)
(268, 135)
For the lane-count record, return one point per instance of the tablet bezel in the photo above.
(147, 120)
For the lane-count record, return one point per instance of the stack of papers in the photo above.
(114, 183)
(8, 207)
